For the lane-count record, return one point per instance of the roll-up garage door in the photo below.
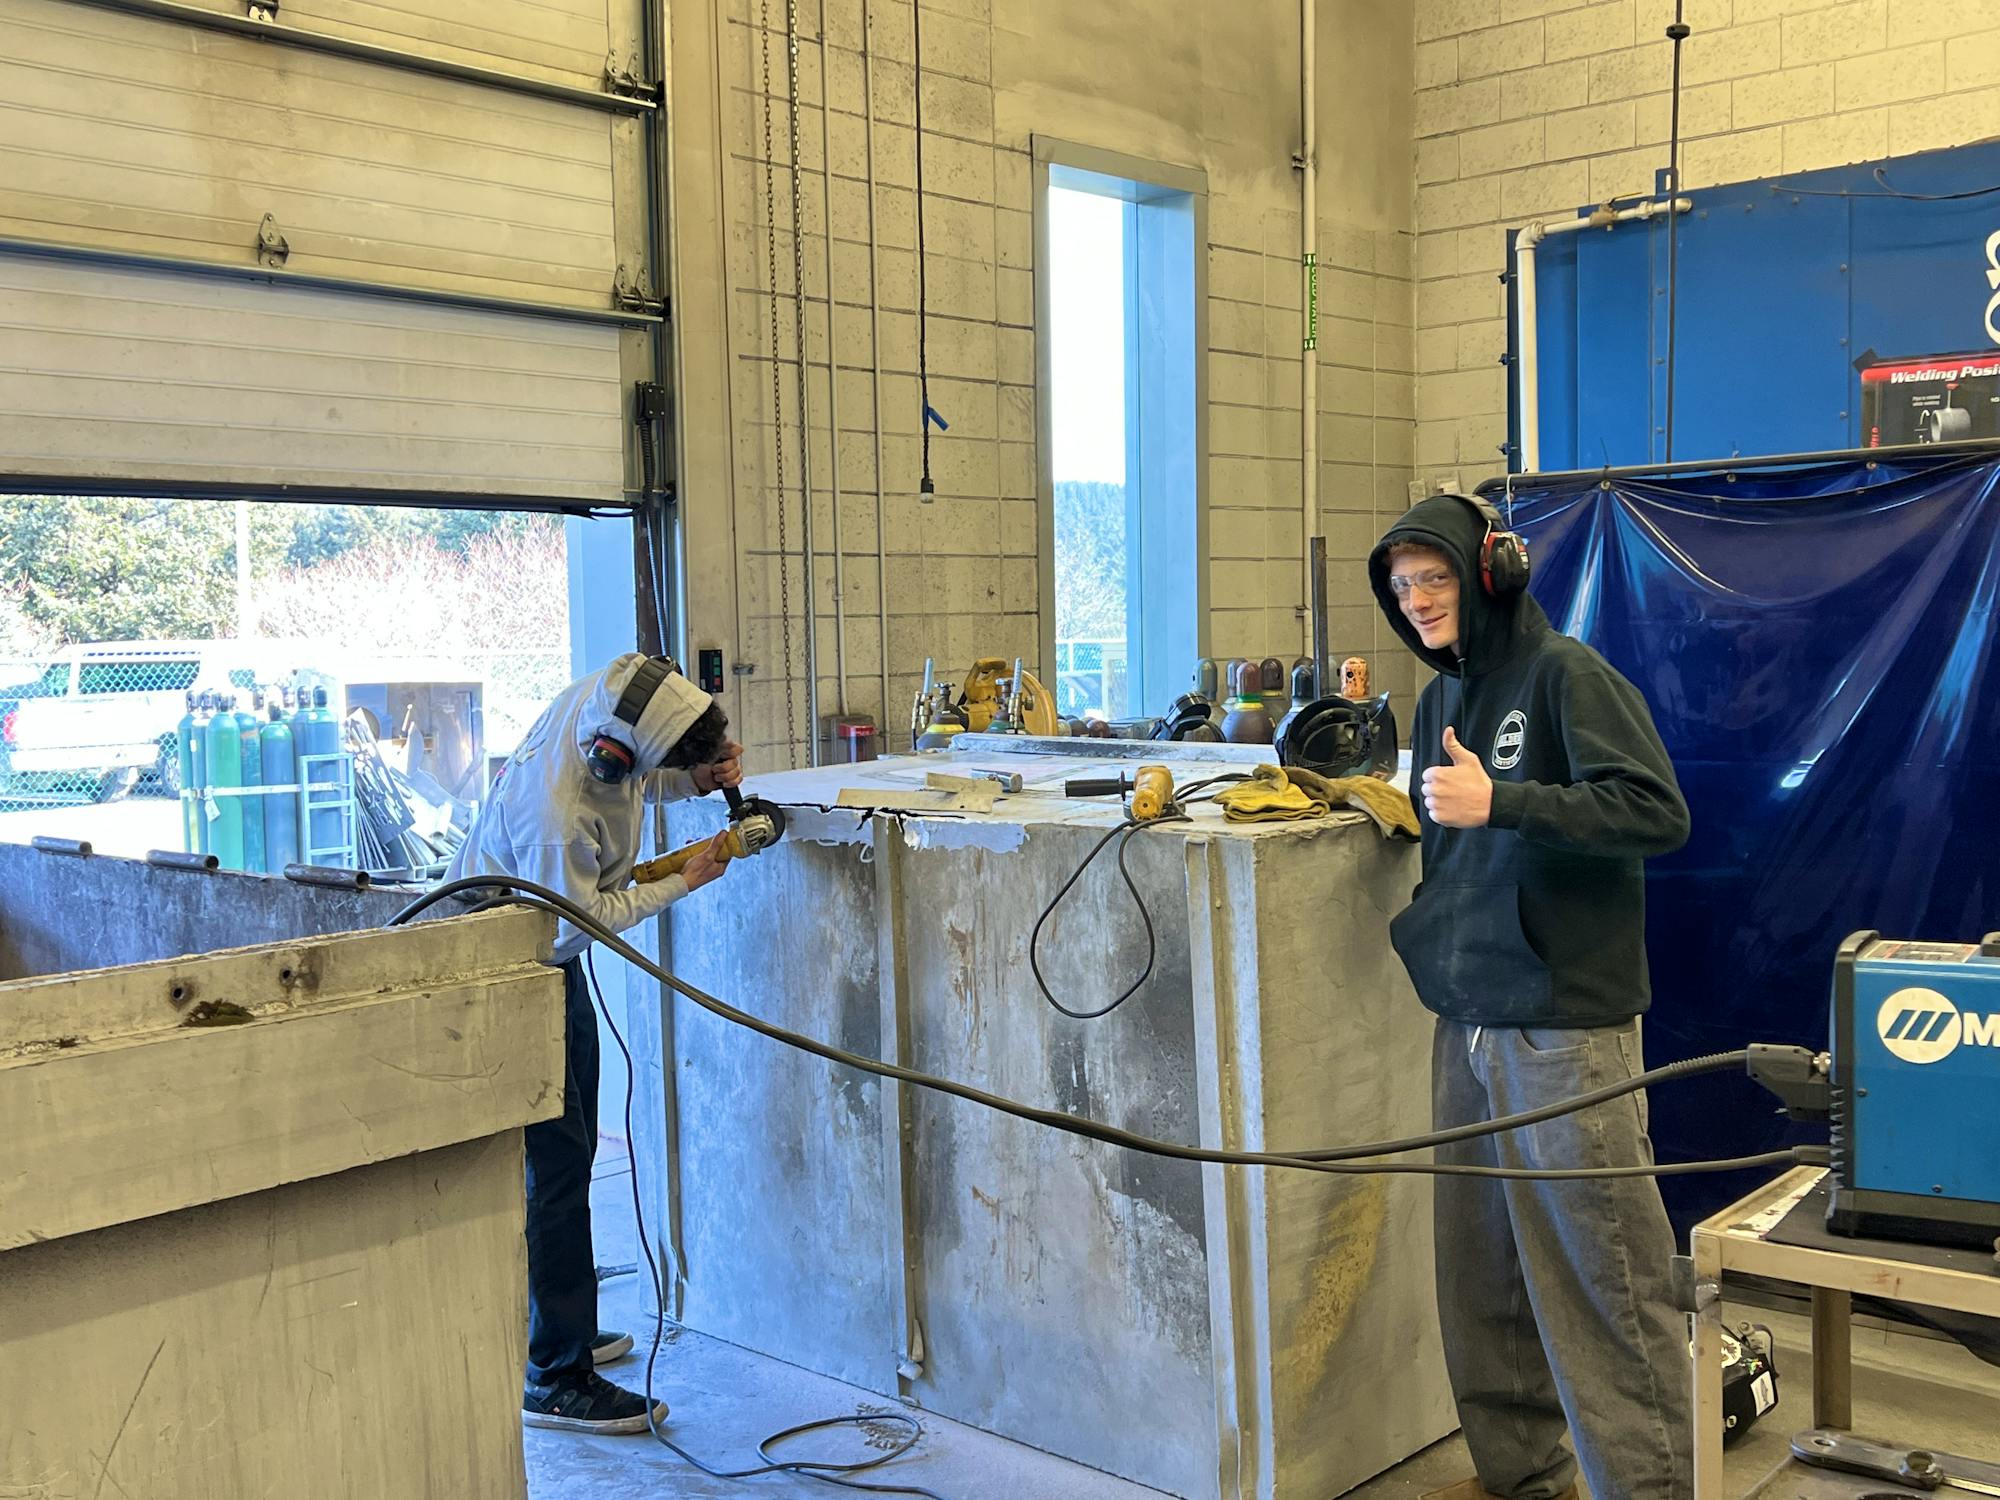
(374, 247)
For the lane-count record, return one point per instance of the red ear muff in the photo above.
(608, 760)
(1503, 556)
(1503, 564)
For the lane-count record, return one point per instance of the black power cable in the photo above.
(925, 484)
(842, 1475)
(1889, 190)
(1123, 834)
(1184, 798)
(541, 897)
(1717, 1062)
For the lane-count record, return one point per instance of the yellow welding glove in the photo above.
(1389, 807)
(1271, 794)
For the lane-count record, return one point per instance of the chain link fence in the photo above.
(1091, 678)
(448, 631)
(102, 723)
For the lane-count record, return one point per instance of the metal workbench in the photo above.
(1740, 1239)
(1213, 1333)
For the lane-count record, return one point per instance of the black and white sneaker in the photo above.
(587, 1403)
(609, 1346)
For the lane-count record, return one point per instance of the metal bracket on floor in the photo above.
(273, 249)
(635, 295)
(911, 1366)
(622, 80)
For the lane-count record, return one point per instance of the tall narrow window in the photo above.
(1087, 335)
(1123, 452)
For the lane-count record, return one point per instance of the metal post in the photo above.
(1322, 674)
(901, 1239)
(246, 624)
(1832, 1358)
(1706, 1371)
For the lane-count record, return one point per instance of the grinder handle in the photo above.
(1098, 786)
(726, 845)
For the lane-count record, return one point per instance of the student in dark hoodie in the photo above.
(1541, 788)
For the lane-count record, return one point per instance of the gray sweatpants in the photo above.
(1554, 1297)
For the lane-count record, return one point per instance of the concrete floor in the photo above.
(724, 1399)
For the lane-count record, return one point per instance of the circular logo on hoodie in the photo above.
(1508, 743)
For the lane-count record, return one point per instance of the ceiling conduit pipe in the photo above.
(1527, 364)
(1309, 305)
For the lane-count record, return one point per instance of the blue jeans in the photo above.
(562, 1269)
(1555, 1297)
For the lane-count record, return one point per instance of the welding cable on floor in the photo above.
(542, 898)
(839, 1474)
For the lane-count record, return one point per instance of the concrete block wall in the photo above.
(959, 566)
(1204, 86)
(1532, 108)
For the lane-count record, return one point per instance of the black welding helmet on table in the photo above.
(1191, 719)
(1339, 737)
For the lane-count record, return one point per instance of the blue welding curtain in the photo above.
(1821, 650)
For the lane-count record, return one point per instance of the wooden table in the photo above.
(1736, 1240)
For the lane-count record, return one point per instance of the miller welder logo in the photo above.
(1921, 1026)
(1508, 742)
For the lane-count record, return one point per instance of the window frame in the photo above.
(1143, 182)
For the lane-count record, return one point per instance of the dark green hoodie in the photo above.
(1539, 918)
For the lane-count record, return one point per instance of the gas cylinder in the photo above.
(1208, 679)
(1272, 688)
(192, 758)
(1305, 682)
(223, 738)
(249, 726)
(1248, 722)
(281, 809)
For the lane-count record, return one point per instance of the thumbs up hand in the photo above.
(1459, 795)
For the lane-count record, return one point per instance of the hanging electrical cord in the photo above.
(542, 898)
(1889, 190)
(1184, 797)
(1677, 33)
(925, 484)
(1123, 834)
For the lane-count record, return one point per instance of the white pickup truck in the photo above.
(104, 715)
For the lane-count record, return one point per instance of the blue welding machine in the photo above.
(1916, 1090)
